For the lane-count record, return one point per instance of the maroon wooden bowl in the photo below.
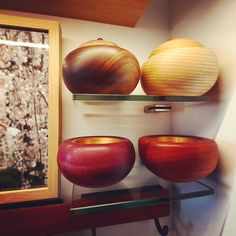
(101, 67)
(178, 158)
(96, 161)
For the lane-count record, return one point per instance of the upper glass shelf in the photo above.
(120, 97)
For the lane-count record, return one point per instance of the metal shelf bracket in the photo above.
(162, 230)
(156, 108)
(93, 232)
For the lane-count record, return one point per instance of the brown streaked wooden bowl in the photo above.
(96, 161)
(101, 67)
(179, 158)
(180, 67)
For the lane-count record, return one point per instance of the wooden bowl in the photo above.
(180, 67)
(175, 43)
(178, 158)
(101, 67)
(96, 161)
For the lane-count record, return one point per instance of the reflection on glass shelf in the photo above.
(153, 195)
(119, 97)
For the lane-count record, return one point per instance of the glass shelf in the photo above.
(154, 195)
(119, 97)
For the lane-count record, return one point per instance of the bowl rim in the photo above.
(175, 139)
(92, 140)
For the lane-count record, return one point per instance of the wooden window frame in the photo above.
(53, 29)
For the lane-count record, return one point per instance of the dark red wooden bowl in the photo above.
(96, 161)
(178, 158)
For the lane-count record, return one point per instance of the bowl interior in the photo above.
(97, 140)
(175, 139)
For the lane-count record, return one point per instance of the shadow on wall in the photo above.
(194, 217)
(179, 225)
(206, 117)
(187, 7)
(149, 20)
(215, 93)
(218, 92)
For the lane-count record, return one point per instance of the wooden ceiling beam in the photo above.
(117, 12)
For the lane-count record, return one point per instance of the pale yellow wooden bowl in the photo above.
(175, 43)
(180, 67)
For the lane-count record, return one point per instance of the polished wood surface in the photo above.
(96, 161)
(116, 12)
(98, 67)
(175, 43)
(180, 67)
(179, 158)
(47, 220)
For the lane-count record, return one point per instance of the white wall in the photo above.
(121, 118)
(226, 138)
(117, 118)
(212, 22)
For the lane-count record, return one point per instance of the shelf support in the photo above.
(157, 108)
(93, 232)
(162, 230)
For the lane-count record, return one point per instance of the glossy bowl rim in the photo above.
(174, 139)
(79, 140)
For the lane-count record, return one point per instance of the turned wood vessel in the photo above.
(180, 67)
(179, 158)
(96, 161)
(101, 67)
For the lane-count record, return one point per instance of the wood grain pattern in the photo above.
(180, 68)
(175, 43)
(179, 158)
(96, 161)
(116, 12)
(101, 68)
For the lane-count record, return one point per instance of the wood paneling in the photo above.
(46, 220)
(118, 12)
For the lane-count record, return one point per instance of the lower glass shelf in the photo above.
(118, 199)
